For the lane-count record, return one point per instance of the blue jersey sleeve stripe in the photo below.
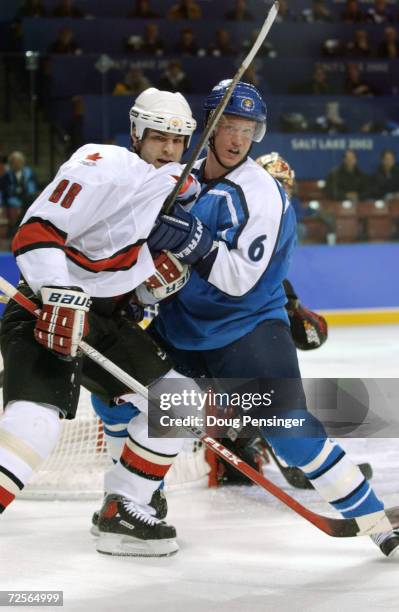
(243, 208)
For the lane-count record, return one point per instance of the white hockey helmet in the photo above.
(163, 111)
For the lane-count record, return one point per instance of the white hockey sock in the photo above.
(115, 446)
(138, 400)
(28, 434)
(143, 464)
(340, 482)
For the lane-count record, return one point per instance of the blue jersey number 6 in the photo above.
(257, 248)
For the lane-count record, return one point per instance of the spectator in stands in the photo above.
(332, 47)
(355, 85)
(331, 121)
(3, 170)
(293, 122)
(359, 46)
(240, 12)
(347, 181)
(222, 46)
(385, 126)
(67, 9)
(19, 190)
(151, 43)
(174, 79)
(251, 75)
(352, 13)
(133, 84)
(380, 13)
(318, 13)
(187, 44)
(284, 12)
(185, 9)
(65, 43)
(389, 47)
(266, 50)
(385, 180)
(318, 86)
(143, 10)
(32, 8)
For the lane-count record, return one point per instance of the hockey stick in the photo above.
(349, 527)
(272, 14)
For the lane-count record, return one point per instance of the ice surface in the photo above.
(240, 550)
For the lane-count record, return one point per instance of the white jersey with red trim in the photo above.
(88, 226)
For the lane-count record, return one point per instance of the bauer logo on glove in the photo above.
(63, 319)
(73, 299)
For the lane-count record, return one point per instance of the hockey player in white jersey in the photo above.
(82, 249)
(229, 320)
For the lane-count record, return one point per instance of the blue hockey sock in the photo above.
(336, 478)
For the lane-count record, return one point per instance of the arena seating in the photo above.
(368, 122)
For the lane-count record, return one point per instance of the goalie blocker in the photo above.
(309, 329)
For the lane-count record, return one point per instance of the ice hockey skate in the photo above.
(387, 542)
(127, 529)
(158, 502)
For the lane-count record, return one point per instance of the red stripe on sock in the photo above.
(6, 497)
(138, 463)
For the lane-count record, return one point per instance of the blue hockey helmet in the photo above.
(245, 102)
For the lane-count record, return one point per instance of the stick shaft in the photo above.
(222, 105)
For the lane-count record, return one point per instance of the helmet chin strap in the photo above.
(219, 161)
(135, 147)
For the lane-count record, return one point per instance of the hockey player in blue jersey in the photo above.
(224, 326)
(229, 320)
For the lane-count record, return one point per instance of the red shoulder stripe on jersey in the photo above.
(121, 260)
(35, 234)
(39, 233)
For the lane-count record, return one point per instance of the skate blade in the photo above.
(394, 554)
(126, 546)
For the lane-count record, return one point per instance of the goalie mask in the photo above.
(163, 111)
(245, 102)
(275, 165)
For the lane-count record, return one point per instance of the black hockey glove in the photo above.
(182, 234)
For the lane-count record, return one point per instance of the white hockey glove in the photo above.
(63, 319)
(170, 276)
(275, 165)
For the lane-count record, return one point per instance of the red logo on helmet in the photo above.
(94, 157)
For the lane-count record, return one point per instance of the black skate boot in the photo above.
(388, 542)
(127, 529)
(158, 502)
